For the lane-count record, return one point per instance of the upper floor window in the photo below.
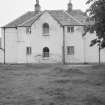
(28, 30)
(45, 28)
(70, 29)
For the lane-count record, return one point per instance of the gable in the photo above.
(45, 18)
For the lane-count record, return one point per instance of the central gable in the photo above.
(46, 17)
(60, 16)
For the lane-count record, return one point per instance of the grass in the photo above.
(52, 84)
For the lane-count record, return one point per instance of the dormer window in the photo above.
(45, 29)
(70, 29)
(28, 30)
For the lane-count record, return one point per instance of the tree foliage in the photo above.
(96, 12)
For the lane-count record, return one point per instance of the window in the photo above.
(70, 29)
(28, 50)
(70, 50)
(28, 30)
(45, 28)
(45, 52)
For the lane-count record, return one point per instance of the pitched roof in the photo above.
(21, 19)
(81, 16)
(64, 18)
(59, 15)
(76, 17)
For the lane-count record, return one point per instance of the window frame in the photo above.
(70, 50)
(28, 50)
(46, 29)
(70, 29)
(46, 53)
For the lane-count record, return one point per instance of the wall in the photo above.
(74, 39)
(1, 50)
(83, 52)
(10, 45)
(38, 41)
(92, 53)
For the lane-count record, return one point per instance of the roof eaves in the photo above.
(7, 25)
(81, 24)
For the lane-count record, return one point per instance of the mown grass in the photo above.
(52, 84)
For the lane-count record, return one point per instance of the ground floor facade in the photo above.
(68, 55)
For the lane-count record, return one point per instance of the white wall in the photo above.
(16, 41)
(83, 52)
(92, 53)
(38, 41)
(10, 45)
(1, 50)
(74, 39)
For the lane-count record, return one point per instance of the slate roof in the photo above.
(20, 19)
(75, 17)
(79, 15)
(64, 18)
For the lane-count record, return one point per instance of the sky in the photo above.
(11, 9)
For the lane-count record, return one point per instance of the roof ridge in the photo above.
(73, 18)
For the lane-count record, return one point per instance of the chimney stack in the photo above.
(37, 7)
(70, 6)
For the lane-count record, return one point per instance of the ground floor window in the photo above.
(46, 52)
(28, 50)
(70, 50)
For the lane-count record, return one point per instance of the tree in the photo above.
(96, 12)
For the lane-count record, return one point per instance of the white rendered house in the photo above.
(49, 36)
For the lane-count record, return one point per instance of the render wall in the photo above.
(83, 53)
(1, 50)
(92, 53)
(74, 39)
(10, 45)
(37, 41)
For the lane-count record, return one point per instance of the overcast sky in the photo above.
(11, 9)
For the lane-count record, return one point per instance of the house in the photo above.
(49, 36)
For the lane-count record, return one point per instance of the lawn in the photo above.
(52, 84)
